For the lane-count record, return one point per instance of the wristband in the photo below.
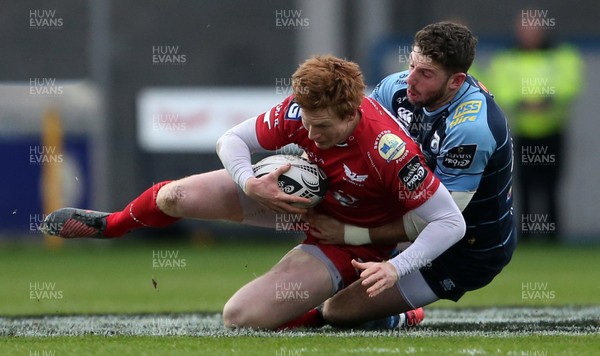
(354, 235)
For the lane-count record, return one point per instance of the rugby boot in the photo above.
(407, 319)
(71, 223)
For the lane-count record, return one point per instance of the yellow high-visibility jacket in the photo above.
(536, 88)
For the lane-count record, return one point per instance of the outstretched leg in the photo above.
(210, 196)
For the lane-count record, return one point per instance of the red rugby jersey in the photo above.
(374, 178)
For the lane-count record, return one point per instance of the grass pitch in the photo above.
(100, 298)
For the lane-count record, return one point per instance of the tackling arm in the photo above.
(445, 227)
(406, 228)
(412, 224)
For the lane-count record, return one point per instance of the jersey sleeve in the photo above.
(386, 89)
(272, 126)
(467, 148)
(416, 182)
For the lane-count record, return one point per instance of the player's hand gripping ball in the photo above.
(303, 179)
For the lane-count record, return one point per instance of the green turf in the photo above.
(315, 345)
(94, 278)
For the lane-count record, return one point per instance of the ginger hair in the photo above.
(328, 82)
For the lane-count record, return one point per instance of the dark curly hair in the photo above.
(450, 44)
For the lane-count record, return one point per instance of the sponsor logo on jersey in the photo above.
(462, 120)
(352, 177)
(413, 174)
(405, 116)
(344, 199)
(267, 119)
(460, 157)
(293, 112)
(389, 146)
(434, 145)
(402, 79)
(278, 109)
(401, 99)
(447, 284)
(466, 111)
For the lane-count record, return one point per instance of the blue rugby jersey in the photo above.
(467, 144)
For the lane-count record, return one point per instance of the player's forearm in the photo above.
(413, 224)
(404, 229)
(388, 234)
(445, 227)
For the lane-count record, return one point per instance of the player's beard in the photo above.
(431, 100)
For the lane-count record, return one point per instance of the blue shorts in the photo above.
(462, 269)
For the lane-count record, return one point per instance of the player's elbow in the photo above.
(456, 225)
(221, 142)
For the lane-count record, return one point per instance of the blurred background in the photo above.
(100, 99)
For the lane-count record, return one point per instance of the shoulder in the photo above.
(394, 81)
(388, 144)
(469, 109)
(389, 85)
(379, 131)
(468, 121)
(286, 113)
(288, 109)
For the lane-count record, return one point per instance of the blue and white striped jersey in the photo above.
(467, 144)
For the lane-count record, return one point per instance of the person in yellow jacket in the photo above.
(536, 83)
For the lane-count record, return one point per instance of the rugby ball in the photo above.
(303, 179)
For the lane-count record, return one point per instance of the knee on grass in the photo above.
(239, 316)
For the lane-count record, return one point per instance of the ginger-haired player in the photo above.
(376, 174)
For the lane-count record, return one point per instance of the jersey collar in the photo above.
(459, 94)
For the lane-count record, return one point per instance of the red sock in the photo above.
(312, 319)
(141, 212)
